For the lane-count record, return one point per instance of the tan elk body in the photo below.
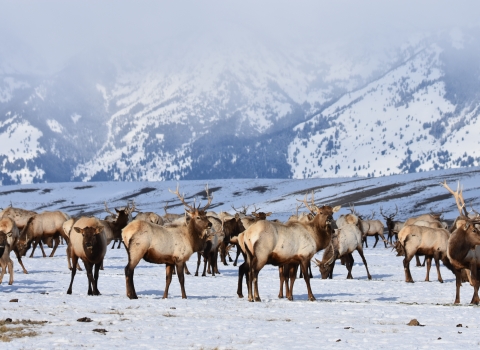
(423, 240)
(279, 244)
(345, 241)
(172, 246)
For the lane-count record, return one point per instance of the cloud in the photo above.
(58, 30)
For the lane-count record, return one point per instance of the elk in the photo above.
(463, 249)
(279, 244)
(46, 224)
(344, 242)
(88, 242)
(232, 228)
(113, 226)
(8, 238)
(8, 226)
(172, 246)
(423, 240)
(210, 252)
(20, 216)
(150, 217)
(372, 228)
(392, 226)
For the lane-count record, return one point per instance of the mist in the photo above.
(56, 31)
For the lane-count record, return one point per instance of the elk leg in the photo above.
(282, 280)
(57, 242)
(292, 275)
(360, 252)
(417, 257)
(349, 264)
(406, 266)
(119, 243)
(185, 269)
(242, 271)
(41, 247)
(88, 269)
(181, 277)
(35, 242)
(169, 272)
(474, 273)
(95, 279)
(255, 281)
(310, 269)
(383, 239)
(113, 245)
(199, 261)
(215, 262)
(74, 271)
(10, 271)
(237, 255)
(204, 274)
(209, 265)
(19, 258)
(365, 241)
(129, 269)
(437, 265)
(306, 277)
(376, 240)
(429, 265)
(4, 267)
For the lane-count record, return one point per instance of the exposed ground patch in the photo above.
(10, 330)
(83, 187)
(136, 194)
(21, 190)
(259, 189)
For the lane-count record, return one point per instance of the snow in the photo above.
(55, 126)
(348, 313)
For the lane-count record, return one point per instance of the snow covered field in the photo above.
(347, 313)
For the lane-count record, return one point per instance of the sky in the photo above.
(58, 30)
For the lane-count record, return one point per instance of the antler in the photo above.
(133, 208)
(166, 207)
(182, 198)
(458, 195)
(209, 198)
(312, 210)
(242, 211)
(108, 210)
(389, 216)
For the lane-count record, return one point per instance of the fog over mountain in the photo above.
(155, 91)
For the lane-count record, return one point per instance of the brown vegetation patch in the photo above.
(259, 189)
(10, 330)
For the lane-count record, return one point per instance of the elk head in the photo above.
(198, 217)
(324, 212)
(260, 215)
(90, 237)
(325, 267)
(389, 218)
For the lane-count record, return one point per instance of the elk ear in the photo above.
(337, 208)
(78, 229)
(467, 225)
(268, 214)
(99, 230)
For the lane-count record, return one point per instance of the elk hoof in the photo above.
(69, 291)
(440, 280)
(290, 298)
(133, 296)
(258, 299)
(280, 296)
(234, 264)
(240, 295)
(312, 298)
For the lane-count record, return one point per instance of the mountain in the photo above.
(243, 107)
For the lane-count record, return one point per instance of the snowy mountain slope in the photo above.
(214, 108)
(398, 124)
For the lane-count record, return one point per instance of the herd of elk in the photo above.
(172, 239)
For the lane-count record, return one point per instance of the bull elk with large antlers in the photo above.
(172, 246)
(463, 246)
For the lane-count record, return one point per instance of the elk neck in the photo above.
(322, 233)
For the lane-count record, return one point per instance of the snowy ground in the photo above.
(353, 313)
(347, 313)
